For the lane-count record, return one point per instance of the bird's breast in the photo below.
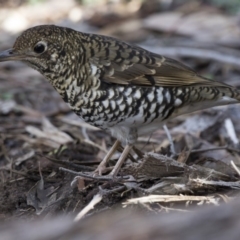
(124, 106)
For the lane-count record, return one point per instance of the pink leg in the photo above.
(121, 160)
(102, 166)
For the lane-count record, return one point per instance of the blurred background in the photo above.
(153, 22)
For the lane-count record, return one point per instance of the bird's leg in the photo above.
(131, 139)
(102, 166)
(121, 160)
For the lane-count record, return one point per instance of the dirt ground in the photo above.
(46, 152)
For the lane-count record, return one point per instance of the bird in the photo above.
(116, 86)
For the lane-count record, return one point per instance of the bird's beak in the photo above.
(10, 55)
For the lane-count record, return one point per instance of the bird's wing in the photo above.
(123, 64)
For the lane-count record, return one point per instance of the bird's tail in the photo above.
(199, 98)
(227, 95)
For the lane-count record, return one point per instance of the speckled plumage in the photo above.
(114, 85)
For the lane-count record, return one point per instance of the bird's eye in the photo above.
(39, 48)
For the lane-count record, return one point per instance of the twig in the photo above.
(231, 131)
(86, 176)
(25, 157)
(66, 163)
(213, 149)
(235, 167)
(170, 139)
(148, 140)
(208, 149)
(99, 178)
(216, 183)
(16, 180)
(170, 198)
(84, 132)
(96, 199)
(95, 145)
(167, 209)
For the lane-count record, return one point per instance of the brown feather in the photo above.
(129, 68)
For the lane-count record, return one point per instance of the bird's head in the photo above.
(48, 49)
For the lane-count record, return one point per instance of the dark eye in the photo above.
(39, 48)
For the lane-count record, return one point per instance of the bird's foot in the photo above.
(100, 169)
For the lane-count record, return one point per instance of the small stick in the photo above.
(96, 199)
(214, 149)
(95, 145)
(170, 139)
(84, 132)
(208, 149)
(66, 163)
(231, 131)
(170, 198)
(235, 167)
(99, 178)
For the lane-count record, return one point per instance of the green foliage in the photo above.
(88, 2)
(6, 96)
(232, 6)
(33, 2)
